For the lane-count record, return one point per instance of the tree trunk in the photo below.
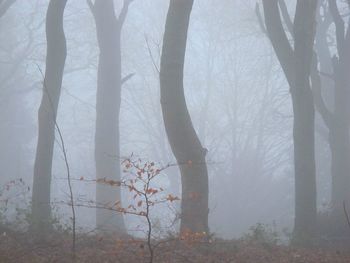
(339, 135)
(55, 60)
(304, 122)
(182, 137)
(109, 82)
(336, 116)
(304, 165)
(339, 142)
(296, 65)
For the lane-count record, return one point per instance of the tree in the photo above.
(181, 134)
(296, 64)
(109, 83)
(333, 75)
(339, 133)
(55, 61)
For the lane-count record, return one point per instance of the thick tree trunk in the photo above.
(107, 145)
(182, 137)
(55, 60)
(296, 65)
(304, 165)
(304, 122)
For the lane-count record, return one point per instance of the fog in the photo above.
(253, 136)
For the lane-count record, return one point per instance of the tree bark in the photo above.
(184, 142)
(296, 64)
(109, 83)
(55, 61)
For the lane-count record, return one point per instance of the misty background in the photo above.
(235, 90)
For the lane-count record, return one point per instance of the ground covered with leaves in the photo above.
(21, 247)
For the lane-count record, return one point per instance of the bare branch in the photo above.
(260, 18)
(124, 12)
(91, 6)
(126, 78)
(279, 40)
(286, 17)
(5, 5)
(151, 56)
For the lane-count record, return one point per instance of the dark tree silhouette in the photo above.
(182, 136)
(296, 63)
(332, 74)
(109, 83)
(55, 61)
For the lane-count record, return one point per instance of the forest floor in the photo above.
(20, 247)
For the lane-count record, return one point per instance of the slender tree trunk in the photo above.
(296, 64)
(336, 116)
(182, 137)
(55, 60)
(340, 149)
(339, 135)
(339, 141)
(109, 82)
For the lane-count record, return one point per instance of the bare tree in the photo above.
(109, 83)
(296, 63)
(333, 76)
(55, 61)
(182, 137)
(339, 133)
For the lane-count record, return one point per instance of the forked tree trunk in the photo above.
(336, 117)
(296, 64)
(184, 142)
(109, 82)
(55, 61)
